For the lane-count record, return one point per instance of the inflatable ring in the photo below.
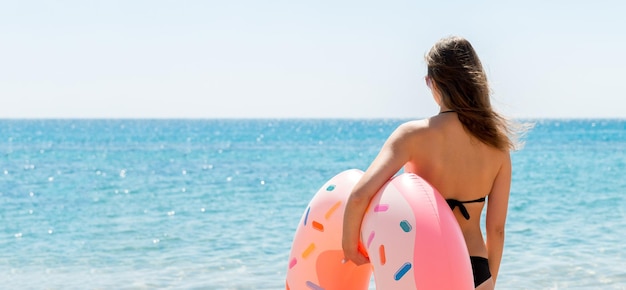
(409, 233)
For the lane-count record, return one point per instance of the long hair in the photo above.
(457, 72)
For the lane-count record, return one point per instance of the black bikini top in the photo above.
(453, 203)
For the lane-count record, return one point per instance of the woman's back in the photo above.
(461, 168)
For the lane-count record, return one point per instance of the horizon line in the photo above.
(283, 118)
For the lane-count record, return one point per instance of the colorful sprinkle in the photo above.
(306, 216)
(405, 268)
(371, 237)
(381, 253)
(381, 207)
(318, 226)
(405, 226)
(308, 250)
(332, 210)
(313, 286)
(330, 187)
(293, 262)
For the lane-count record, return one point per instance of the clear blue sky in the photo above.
(276, 59)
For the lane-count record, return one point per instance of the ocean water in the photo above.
(213, 204)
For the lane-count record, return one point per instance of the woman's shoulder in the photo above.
(417, 127)
(420, 125)
(416, 131)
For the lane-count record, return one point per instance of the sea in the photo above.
(214, 204)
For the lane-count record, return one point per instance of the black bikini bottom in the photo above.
(480, 268)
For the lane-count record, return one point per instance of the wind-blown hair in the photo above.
(458, 74)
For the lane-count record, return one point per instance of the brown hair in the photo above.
(458, 74)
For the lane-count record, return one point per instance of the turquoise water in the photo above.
(213, 204)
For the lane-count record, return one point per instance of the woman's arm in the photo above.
(497, 205)
(393, 155)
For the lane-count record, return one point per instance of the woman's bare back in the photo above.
(460, 166)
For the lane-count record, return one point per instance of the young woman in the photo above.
(463, 152)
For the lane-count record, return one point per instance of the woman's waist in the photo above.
(475, 243)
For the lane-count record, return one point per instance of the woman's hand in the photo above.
(352, 253)
(350, 243)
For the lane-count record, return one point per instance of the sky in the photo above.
(302, 59)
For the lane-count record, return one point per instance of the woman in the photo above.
(463, 152)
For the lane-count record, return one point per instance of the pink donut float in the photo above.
(408, 231)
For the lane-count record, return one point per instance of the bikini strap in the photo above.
(475, 200)
(453, 203)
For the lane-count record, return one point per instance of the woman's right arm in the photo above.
(497, 205)
(395, 153)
